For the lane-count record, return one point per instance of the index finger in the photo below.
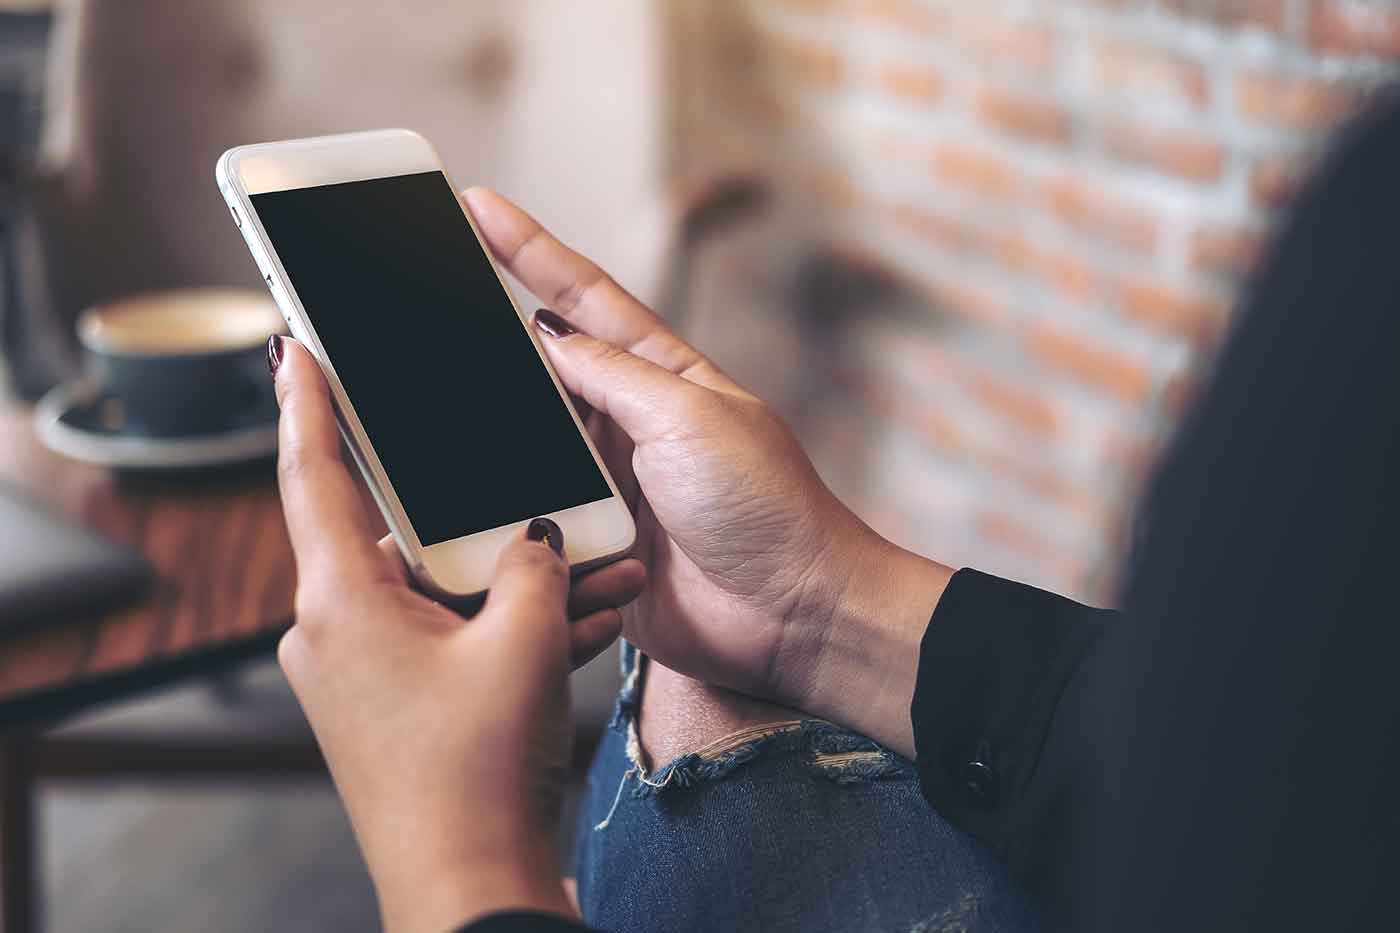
(331, 536)
(583, 293)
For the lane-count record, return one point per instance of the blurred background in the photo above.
(977, 253)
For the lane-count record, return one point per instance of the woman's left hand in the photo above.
(448, 739)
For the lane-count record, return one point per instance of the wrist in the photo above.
(856, 659)
(447, 897)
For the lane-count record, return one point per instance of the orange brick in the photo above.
(1016, 535)
(1094, 365)
(1143, 69)
(1045, 483)
(1030, 411)
(975, 170)
(1294, 101)
(929, 421)
(1184, 153)
(1226, 249)
(1089, 210)
(917, 83)
(1008, 531)
(1033, 117)
(1262, 14)
(1352, 28)
(1173, 310)
(998, 41)
(934, 425)
(1064, 271)
(940, 229)
(1019, 405)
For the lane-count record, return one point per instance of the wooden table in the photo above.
(224, 594)
(219, 547)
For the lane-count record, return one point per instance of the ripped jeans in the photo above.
(794, 825)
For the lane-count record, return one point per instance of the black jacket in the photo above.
(1225, 754)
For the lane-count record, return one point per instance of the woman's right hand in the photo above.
(760, 578)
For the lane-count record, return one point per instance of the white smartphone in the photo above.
(459, 424)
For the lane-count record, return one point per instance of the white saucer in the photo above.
(76, 420)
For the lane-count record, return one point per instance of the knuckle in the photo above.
(292, 465)
(572, 295)
(300, 463)
(291, 651)
(747, 408)
(606, 354)
(525, 242)
(289, 469)
(694, 404)
(308, 606)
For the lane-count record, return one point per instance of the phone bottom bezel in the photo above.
(461, 569)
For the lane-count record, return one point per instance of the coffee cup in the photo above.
(181, 363)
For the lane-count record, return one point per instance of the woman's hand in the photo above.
(760, 579)
(449, 740)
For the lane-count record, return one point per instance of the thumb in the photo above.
(646, 400)
(531, 588)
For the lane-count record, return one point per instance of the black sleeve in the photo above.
(1225, 756)
(523, 921)
(992, 666)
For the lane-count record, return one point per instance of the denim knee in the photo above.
(788, 825)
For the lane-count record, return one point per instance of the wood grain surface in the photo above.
(220, 550)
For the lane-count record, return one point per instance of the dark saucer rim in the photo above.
(85, 394)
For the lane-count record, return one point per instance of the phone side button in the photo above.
(237, 221)
(271, 283)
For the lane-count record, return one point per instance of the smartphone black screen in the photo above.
(447, 384)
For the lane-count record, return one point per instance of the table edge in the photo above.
(46, 706)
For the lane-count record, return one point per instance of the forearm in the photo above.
(455, 900)
(454, 895)
(860, 670)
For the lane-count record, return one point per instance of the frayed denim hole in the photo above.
(848, 758)
(711, 763)
(832, 752)
(629, 697)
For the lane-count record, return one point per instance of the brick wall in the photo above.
(1055, 203)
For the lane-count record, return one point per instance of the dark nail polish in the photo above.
(552, 324)
(274, 353)
(542, 529)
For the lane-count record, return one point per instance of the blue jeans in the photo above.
(790, 826)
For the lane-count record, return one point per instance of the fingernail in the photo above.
(542, 529)
(274, 353)
(552, 324)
